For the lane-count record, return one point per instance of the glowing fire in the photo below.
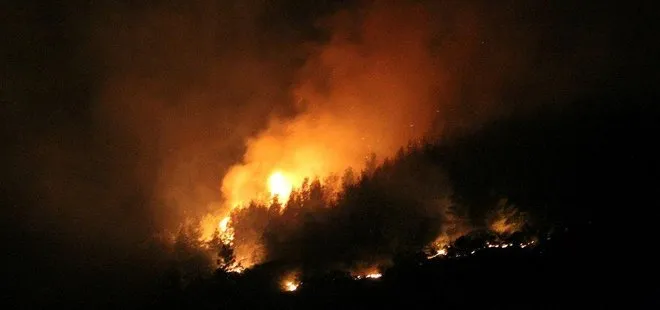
(439, 247)
(290, 286)
(374, 276)
(279, 185)
(290, 282)
(367, 273)
(236, 269)
(226, 231)
(438, 252)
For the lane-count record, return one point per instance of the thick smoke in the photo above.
(395, 71)
(188, 83)
(392, 72)
(119, 120)
(369, 89)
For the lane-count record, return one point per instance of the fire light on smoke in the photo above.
(279, 186)
(439, 247)
(236, 269)
(506, 219)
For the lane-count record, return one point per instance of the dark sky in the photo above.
(101, 102)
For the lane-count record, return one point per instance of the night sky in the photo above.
(121, 119)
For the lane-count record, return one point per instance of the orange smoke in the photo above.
(367, 90)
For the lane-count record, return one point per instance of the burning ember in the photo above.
(367, 273)
(291, 286)
(439, 252)
(373, 276)
(290, 282)
(236, 269)
(447, 252)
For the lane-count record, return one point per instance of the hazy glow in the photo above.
(356, 98)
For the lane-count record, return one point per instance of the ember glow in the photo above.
(449, 251)
(290, 282)
(372, 273)
(373, 276)
(438, 252)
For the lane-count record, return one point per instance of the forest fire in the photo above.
(438, 252)
(356, 100)
(231, 154)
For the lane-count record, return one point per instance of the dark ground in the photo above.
(570, 270)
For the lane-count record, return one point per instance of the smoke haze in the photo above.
(121, 120)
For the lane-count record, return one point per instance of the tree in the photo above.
(371, 164)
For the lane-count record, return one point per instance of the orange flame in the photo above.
(290, 282)
(279, 186)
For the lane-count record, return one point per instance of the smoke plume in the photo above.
(369, 89)
(390, 73)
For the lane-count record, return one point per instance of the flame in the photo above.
(439, 247)
(506, 219)
(290, 282)
(438, 252)
(367, 273)
(279, 185)
(224, 224)
(236, 269)
(374, 275)
(226, 230)
(290, 286)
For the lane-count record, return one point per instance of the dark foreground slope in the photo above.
(565, 272)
